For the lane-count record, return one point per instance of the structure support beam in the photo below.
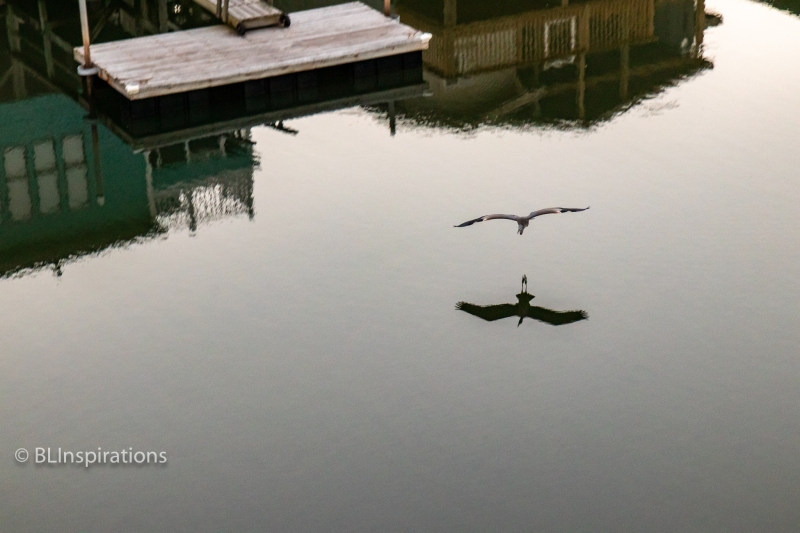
(700, 25)
(87, 55)
(624, 70)
(12, 27)
(163, 18)
(47, 45)
(98, 170)
(392, 119)
(450, 13)
(581, 93)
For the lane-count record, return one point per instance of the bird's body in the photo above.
(523, 221)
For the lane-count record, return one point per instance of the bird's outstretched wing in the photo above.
(486, 217)
(549, 210)
(488, 312)
(555, 318)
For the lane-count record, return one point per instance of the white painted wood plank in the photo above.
(208, 57)
(208, 45)
(258, 57)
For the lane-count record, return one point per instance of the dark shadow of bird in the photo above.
(523, 309)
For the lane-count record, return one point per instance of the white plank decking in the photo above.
(182, 61)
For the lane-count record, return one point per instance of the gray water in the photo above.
(305, 368)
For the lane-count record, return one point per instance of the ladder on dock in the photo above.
(245, 15)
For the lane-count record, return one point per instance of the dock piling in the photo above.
(86, 69)
(87, 57)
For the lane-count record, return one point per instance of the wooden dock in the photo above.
(183, 61)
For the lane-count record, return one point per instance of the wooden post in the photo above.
(12, 26)
(700, 25)
(192, 212)
(5, 211)
(584, 35)
(46, 43)
(98, 171)
(624, 70)
(387, 7)
(87, 57)
(449, 65)
(18, 70)
(392, 119)
(225, 11)
(144, 12)
(450, 13)
(163, 18)
(148, 180)
(581, 85)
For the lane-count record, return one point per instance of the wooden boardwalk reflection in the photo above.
(535, 36)
(496, 66)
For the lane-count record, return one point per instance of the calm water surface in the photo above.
(279, 315)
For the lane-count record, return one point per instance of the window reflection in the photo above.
(44, 163)
(19, 198)
(75, 171)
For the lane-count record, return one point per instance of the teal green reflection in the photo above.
(69, 187)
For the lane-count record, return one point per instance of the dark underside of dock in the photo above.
(138, 118)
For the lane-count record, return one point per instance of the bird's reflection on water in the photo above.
(523, 309)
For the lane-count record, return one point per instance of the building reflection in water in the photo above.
(72, 185)
(70, 188)
(790, 6)
(522, 309)
(574, 63)
(80, 175)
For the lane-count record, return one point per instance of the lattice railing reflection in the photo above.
(229, 193)
(535, 36)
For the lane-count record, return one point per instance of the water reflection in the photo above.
(69, 187)
(79, 174)
(41, 38)
(523, 309)
(791, 6)
(575, 63)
